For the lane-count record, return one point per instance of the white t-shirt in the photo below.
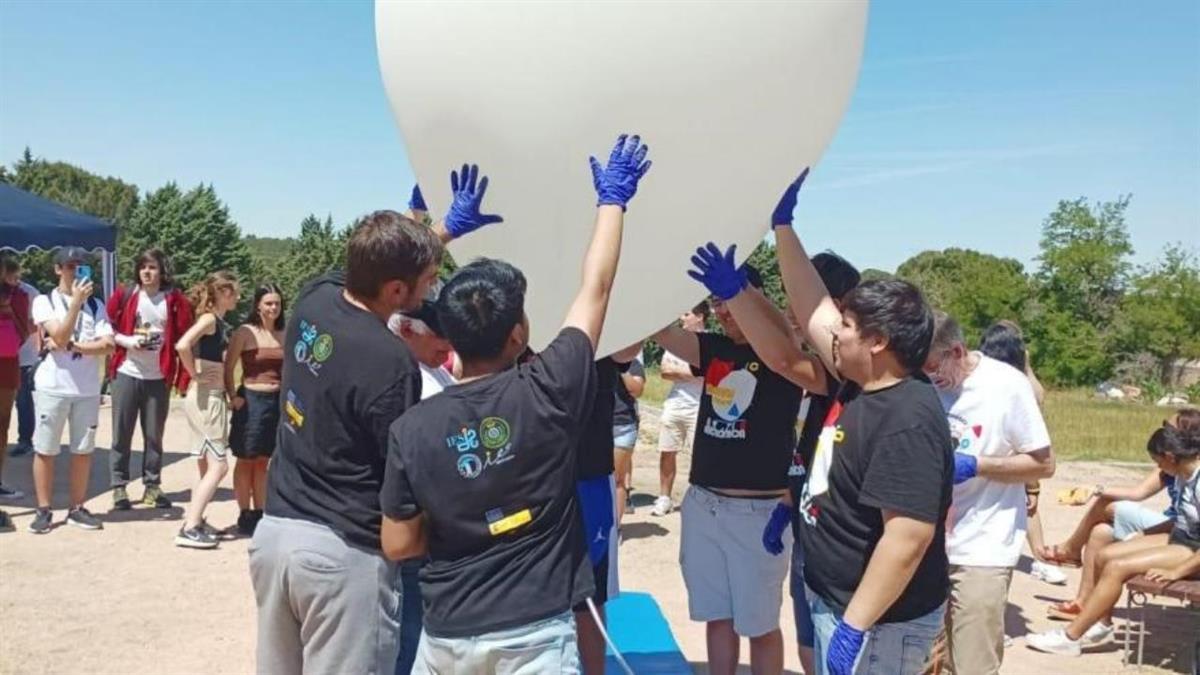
(28, 355)
(150, 322)
(62, 373)
(434, 380)
(684, 393)
(994, 415)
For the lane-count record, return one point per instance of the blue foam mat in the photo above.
(641, 632)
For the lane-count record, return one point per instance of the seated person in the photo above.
(1172, 555)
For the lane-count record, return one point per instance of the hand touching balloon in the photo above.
(464, 216)
(718, 272)
(782, 216)
(618, 182)
(417, 201)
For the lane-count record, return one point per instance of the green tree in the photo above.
(873, 274)
(1084, 250)
(975, 288)
(195, 231)
(1161, 313)
(319, 249)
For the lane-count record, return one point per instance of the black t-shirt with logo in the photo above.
(625, 406)
(491, 465)
(596, 445)
(745, 429)
(886, 449)
(346, 378)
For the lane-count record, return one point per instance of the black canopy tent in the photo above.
(28, 221)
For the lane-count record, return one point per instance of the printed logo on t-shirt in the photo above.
(481, 446)
(817, 484)
(313, 348)
(294, 409)
(731, 393)
(964, 434)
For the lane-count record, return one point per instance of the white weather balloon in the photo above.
(733, 98)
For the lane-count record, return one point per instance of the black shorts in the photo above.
(253, 427)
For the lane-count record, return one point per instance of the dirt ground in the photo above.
(127, 600)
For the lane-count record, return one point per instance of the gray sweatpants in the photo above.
(133, 398)
(324, 606)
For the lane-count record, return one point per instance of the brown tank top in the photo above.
(262, 366)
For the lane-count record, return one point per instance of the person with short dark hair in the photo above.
(878, 487)
(148, 316)
(257, 346)
(482, 477)
(743, 444)
(346, 378)
(77, 335)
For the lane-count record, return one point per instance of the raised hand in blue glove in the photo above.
(464, 216)
(417, 201)
(844, 646)
(772, 537)
(782, 215)
(965, 467)
(719, 273)
(618, 182)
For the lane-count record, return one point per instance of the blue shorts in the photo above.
(1131, 518)
(800, 609)
(625, 436)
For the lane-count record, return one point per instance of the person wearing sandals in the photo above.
(258, 346)
(1165, 556)
(202, 352)
(1114, 515)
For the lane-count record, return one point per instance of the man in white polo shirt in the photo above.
(67, 384)
(1001, 444)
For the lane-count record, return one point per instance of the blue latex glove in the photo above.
(965, 467)
(618, 182)
(787, 203)
(464, 216)
(417, 201)
(772, 537)
(719, 273)
(844, 646)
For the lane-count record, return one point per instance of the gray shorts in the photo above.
(324, 606)
(728, 573)
(54, 412)
(546, 646)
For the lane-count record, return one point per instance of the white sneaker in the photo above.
(662, 506)
(1097, 634)
(1008, 641)
(1054, 642)
(1047, 573)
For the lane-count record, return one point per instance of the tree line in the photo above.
(1088, 313)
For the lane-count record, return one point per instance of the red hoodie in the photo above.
(122, 313)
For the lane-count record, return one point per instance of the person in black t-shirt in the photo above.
(346, 377)
(745, 432)
(874, 506)
(482, 477)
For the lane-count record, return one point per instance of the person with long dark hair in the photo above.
(202, 352)
(258, 346)
(148, 316)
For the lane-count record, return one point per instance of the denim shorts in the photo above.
(546, 646)
(1131, 518)
(900, 648)
(625, 436)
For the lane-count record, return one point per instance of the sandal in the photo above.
(1055, 555)
(1066, 610)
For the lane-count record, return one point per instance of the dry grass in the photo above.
(1082, 427)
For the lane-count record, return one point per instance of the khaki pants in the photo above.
(972, 642)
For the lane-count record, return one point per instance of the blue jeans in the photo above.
(890, 648)
(412, 615)
(25, 417)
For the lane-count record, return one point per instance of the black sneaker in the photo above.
(41, 521)
(245, 523)
(10, 494)
(81, 517)
(195, 538)
(121, 500)
(6, 524)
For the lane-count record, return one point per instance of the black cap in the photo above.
(427, 314)
(69, 254)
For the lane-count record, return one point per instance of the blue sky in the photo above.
(971, 119)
